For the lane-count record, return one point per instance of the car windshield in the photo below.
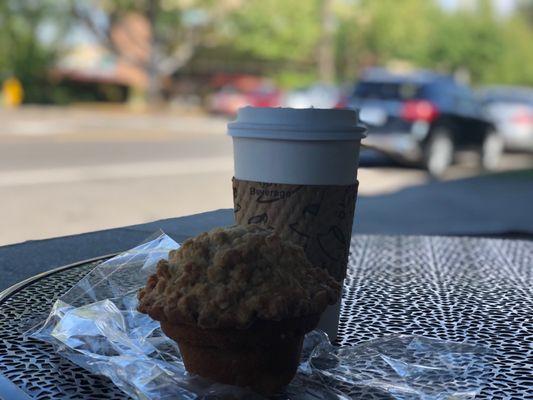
(388, 90)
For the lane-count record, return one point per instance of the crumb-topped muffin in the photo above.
(238, 301)
(229, 277)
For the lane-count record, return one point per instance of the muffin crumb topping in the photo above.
(229, 277)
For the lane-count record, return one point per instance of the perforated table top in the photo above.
(460, 289)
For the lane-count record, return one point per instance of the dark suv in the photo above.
(424, 117)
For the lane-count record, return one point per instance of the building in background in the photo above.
(91, 67)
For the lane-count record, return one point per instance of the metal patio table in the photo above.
(459, 289)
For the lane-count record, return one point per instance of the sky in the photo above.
(502, 7)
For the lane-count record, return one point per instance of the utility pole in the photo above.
(326, 50)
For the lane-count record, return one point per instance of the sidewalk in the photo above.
(33, 121)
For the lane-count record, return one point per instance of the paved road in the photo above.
(66, 171)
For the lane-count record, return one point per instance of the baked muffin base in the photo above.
(263, 357)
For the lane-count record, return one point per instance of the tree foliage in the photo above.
(30, 33)
(276, 29)
(492, 49)
(281, 36)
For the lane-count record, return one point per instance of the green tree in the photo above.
(525, 9)
(276, 29)
(491, 48)
(283, 33)
(467, 40)
(284, 39)
(512, 64)
(30, 34)
(376, 32)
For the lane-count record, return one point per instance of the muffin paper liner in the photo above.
(96, 326)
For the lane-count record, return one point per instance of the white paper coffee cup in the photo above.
(300, 147)
(296, 146)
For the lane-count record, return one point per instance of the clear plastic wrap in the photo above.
(96, 325)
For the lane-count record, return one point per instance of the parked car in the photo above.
(424, 117)
(318, 96)
(248, 91)
(511, 111)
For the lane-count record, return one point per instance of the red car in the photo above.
(246, 91)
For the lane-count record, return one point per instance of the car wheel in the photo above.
(438, 152)
(491, 151)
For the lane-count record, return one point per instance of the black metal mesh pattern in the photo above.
(32, 365)
(459, 289)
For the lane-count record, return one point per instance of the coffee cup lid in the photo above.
(297, 124)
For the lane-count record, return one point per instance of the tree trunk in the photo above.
(154, 80)
(326, 51)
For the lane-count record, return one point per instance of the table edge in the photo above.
(10, 391)
(6, 293)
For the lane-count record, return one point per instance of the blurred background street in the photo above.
(71, 170)
(114, 112)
